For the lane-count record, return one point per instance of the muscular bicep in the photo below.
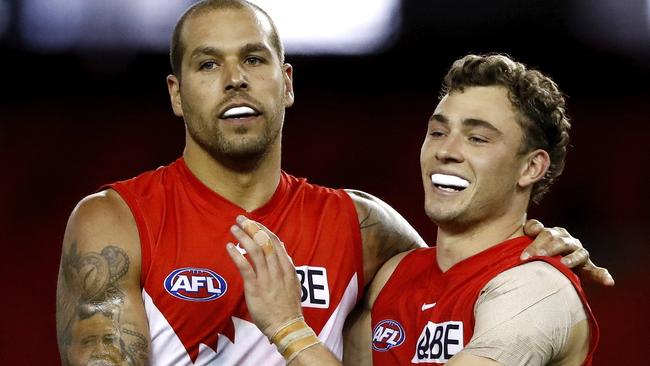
(357, 338)
(384, 232)
(100, 313)
(357, 334)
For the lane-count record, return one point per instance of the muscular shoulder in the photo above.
(102, 220)
(105, 208)
(530, 314)
(104, 211)
(525, 285)
(384, 232)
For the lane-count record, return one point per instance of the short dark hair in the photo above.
(177, 47)
(541, 106)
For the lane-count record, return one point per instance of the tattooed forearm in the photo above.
(91, 328)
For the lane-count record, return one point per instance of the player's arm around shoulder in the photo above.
(100, 315)
(357, 334)
(384, 232)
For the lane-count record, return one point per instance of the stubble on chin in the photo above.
(235, 145)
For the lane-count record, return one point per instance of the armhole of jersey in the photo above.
(141, 224)
(356, 236)
(385, 291)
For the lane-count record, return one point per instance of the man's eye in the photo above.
(252, 60)
(208, 65)
(478, 139)
(436, 134)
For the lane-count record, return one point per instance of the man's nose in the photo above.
(450, 149)
(236, 78)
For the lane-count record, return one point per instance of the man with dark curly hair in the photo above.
(496, 141)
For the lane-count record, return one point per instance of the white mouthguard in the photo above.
(449, 180)
(238, 111)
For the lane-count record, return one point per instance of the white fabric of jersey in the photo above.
(524, 316)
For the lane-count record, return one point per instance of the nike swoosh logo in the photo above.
(426, 306)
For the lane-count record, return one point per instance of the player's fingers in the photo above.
(562, 231)
(251, 228)
(533, 227)
(274, 240)
(540, 245)
(245, 269)
(246, 224)
(291, 277)
(279, 256)
(577, 258)
(253, 249)
(264, 241)
(563, 243)
(596, 274)
(283, 257)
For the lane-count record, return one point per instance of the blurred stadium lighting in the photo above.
(306, 26)
(5, 17)
(618, 26)
(334, 26)
(60, 25)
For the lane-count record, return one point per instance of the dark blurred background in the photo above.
(84, 102)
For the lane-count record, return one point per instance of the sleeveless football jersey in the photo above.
(424, 315)
(193, 293)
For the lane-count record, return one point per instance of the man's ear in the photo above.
(287, 74)
(535, 167)
(174, 89)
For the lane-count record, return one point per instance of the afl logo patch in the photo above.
(195, 284)
(387, 334)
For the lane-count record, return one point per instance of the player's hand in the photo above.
(557, 241)
(271, 285)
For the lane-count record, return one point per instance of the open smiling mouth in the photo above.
(239, 113)
(449, 183)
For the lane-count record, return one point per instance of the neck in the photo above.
(248, 184)
(456, 242)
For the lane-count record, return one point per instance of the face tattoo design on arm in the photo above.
(94, 331)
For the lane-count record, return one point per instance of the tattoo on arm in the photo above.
(392, 240)
(90, 324)
(366, 223)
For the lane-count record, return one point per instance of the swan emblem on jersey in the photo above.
(387, 334)
(195, 284)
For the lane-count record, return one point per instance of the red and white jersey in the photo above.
(193, 293)
(425, 316)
